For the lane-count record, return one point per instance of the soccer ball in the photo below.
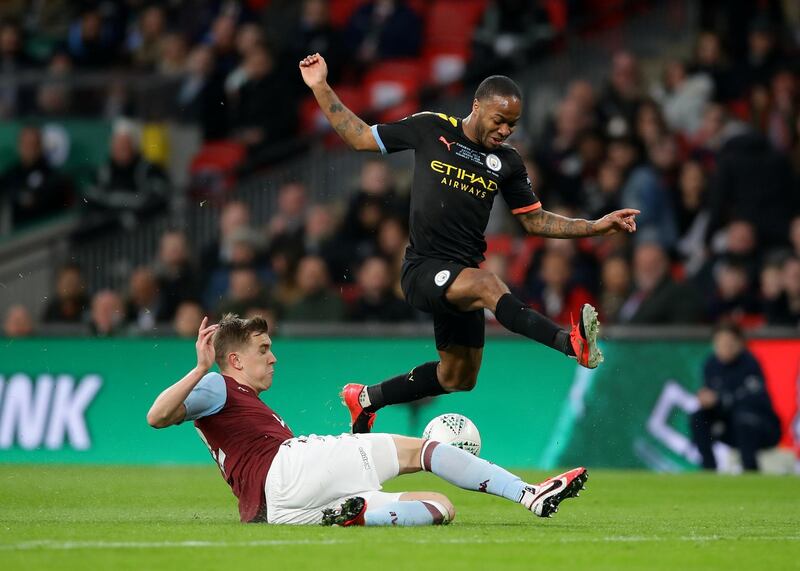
(456, 430)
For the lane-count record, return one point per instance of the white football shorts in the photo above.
(311, 473)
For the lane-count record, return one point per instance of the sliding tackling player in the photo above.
(330, 480)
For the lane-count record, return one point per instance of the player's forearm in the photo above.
(540, 222)
(354, 131)
(168, 405)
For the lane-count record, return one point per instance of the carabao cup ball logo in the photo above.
(493, 162)
(441, 278)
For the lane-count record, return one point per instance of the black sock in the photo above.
(419, 383)
(519, 318)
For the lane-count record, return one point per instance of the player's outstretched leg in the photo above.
(363, 401)
(580, 342)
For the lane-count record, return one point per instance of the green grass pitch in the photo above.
(57, 517)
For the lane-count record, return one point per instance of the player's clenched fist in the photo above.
(314, 70)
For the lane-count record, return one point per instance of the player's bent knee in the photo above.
(459, 383)
(490, 287)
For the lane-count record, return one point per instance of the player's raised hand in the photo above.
(205, 344)
(618, 221)
(314, 70)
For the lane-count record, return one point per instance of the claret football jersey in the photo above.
(242, 434)
(455, 183)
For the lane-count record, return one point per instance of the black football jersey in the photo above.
(455, 182)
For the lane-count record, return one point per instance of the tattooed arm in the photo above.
(540, 222)
(348, 125)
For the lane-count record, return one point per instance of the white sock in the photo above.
(363, 398)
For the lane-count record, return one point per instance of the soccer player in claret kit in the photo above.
(330, 480)
(460, 166)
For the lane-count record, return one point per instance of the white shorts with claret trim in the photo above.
(312, 473)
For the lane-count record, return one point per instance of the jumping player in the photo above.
(460, 166)
(330, 480)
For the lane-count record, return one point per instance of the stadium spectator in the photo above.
(556, 295)
(382, 30)
(246, 247)
(173, 55)
(317, 301)
(143, 43)
(764, 53)
(30, 187)
(656, 298)
(265, 114)
(651, 126)
(285, 291)
(287, 226)
(711, 59)
(683, 97)
(245, 290)
(376, 180)
(187, 320)
(621, 96)
(54, 96)
(18, 322)
(377, 300)
(107, 317)
(143, 308)
(692, 216)
(313, 33)
(233, 216)
(604, 193)
(732, 298)
(643, 190)
(90, 43)
(12, 61)
(128, 188)
(249, 37)
(375, 198)
(222, 41)
(201, 96)
(736, 242)
(70, 302)
(785, 308)
(557, 154)
(320, 239)
(175, 271)
(615, 287)
(746, 162)
(508, 36)
(735, 407)
(782, 112)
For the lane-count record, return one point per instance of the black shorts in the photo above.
(425, 283)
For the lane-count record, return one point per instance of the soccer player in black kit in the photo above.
(460, 166)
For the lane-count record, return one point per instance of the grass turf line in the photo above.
(67, 517)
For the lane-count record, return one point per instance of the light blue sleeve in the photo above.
(207, 397)
(378, 139)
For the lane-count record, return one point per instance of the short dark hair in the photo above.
(498, 85)
(233, 333)
(731, 327)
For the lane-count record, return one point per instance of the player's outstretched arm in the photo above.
(540, 222)
(168, 408)
(350, 127)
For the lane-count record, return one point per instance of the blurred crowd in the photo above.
(709, 152)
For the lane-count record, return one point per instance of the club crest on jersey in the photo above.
(493, 162)
(441, 278)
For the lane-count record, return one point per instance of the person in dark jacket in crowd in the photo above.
(735, 407)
